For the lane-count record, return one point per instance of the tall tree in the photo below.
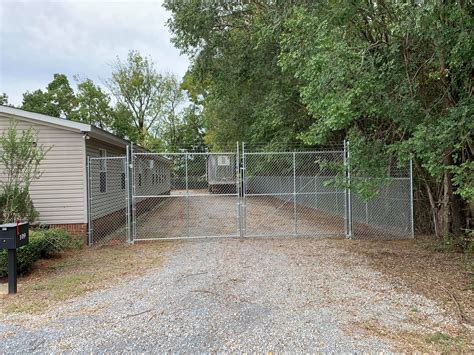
(93, 105)
(137, 85)
(171, 118)
(234, 73)
(58, 100)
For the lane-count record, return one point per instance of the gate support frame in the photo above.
(187, 193)
(238, 181)
(243, 196)
(131, 188)
(129, 195)
(89, 202)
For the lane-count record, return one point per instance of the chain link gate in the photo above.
(292, 194)
(185, 195)
(157, 196)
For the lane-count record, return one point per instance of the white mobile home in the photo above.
(60, 195)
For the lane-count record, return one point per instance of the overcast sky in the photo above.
(78, 37)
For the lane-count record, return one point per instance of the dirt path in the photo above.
(261, 295)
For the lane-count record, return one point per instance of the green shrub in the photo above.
(43, 243)
(16, 203)
(20, 158)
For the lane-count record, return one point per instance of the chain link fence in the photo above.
(202, 194)
(108, 200)
(389, 213)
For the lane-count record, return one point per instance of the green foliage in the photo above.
(3, 99)
(122, 124)
(16, 203)
(402, 85)
(93, 105)
(464, 243)
(395, 78)
(58, 100)
(137, 86)
(235, 77)
(43, 244)
(20, 157)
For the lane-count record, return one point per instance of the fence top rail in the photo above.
(104, 158)
(295, 152)
(189, 153)
(187, 195)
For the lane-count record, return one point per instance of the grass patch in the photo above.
(414, 342)
(77, 272)
(446, 342)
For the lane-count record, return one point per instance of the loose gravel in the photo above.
(228, 295)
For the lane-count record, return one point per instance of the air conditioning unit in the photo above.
(223, 160)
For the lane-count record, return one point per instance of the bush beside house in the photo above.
(43, 243)
(20, 157)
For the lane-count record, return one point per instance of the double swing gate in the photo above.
(157, 196)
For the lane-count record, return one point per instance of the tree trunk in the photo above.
(434, 210)
(444, 219)
(451, 216)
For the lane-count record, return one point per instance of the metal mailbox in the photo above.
(13, 235)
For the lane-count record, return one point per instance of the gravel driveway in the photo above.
(231, 295)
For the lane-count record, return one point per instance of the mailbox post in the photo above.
(13, 236)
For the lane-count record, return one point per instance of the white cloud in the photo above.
(40, 38)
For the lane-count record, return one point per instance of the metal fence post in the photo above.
(349, 195)
(244, 191)
(238, 189)
(294, 194)
(133, 193)
(411, 201)
(89, 202)
(346, 220)
(187, 193)
(129, 202)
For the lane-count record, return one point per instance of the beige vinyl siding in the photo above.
(59, 195)
(93, 146)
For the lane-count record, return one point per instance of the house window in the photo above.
(154, 176)
(103, 171)
(103, 181)
(122, 181)
(139, 179)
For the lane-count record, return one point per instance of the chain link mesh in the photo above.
(190, 195)
(293, 194)
(108, 183)
(387, 214)
(185, 195)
